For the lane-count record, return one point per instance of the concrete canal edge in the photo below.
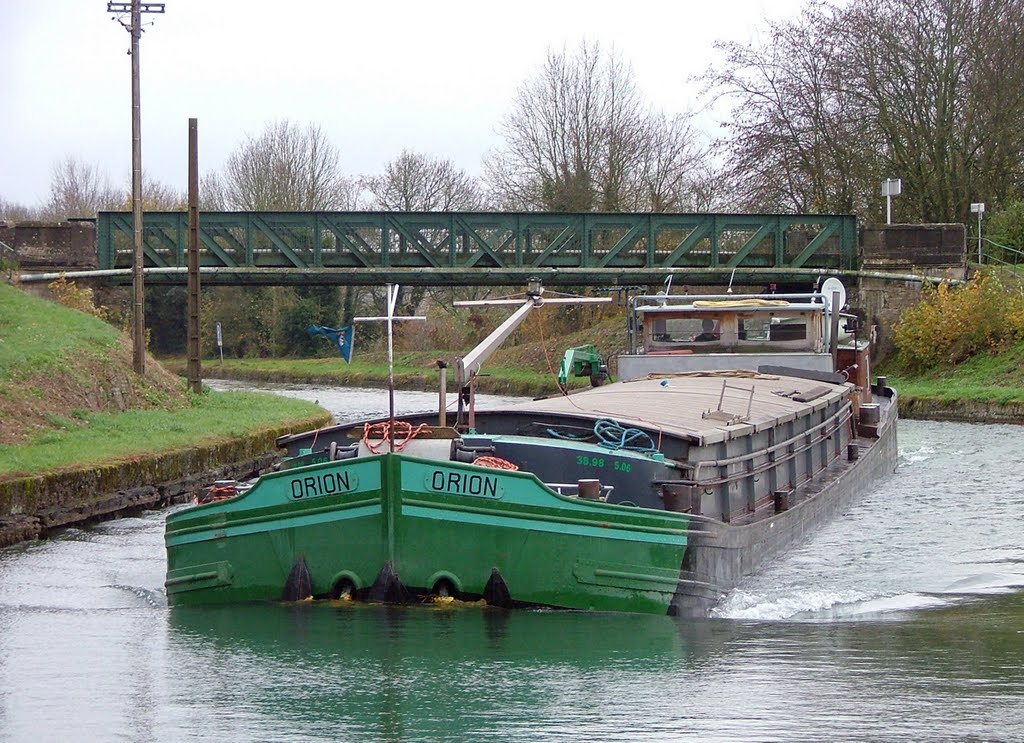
(960, 411)
(30, 507)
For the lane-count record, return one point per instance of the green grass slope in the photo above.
(58, 364)
(69, 396)
(987, 377)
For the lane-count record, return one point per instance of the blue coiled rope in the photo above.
(613, 435)
(567, 436)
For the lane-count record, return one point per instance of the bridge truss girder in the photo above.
(456, 248)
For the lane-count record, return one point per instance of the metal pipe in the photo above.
(99, 273)
(468, 366)
(754, 272)
(840, 417)
(767, 466)
(437, 277)
(833, 329)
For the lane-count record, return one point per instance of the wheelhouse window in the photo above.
(703, 331)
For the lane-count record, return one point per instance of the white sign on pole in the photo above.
(220, 340)
(979, 209)
(890, 187)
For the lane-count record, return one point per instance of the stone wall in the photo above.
(961, 411)
(879, 303)
(45, 247)
(52, 246)
(934, 250)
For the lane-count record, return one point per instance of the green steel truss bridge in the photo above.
(478, 248)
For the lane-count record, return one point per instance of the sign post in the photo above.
(220, 341)
(979, 209)
(890, 187)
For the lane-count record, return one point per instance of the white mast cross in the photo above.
(390, 319)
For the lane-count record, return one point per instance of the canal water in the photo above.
(903, 620)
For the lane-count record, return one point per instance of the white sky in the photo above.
(433, 77)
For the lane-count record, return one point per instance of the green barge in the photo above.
(738, 426)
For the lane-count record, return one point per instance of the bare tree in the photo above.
(796, 140)
(158, 196)
(674, 172)
(80, 189)
(945, 79)
(286, 168)
(847, 94)
(212, 196)
(581, 137)
(415, 182)
(10, 210)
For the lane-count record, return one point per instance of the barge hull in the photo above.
(722, 554)
(427, 523)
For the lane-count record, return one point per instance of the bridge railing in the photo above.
(1000, 255)
(485, 240)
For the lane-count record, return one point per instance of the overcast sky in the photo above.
(378, 77)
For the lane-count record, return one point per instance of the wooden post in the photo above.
(442, 394)
(135, 9)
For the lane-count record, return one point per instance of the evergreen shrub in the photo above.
(951, 324)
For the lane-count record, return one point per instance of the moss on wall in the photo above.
(31, 506)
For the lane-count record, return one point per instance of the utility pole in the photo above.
(135, 9)
(195, 371)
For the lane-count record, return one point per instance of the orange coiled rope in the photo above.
(495, 463)
(404, 433)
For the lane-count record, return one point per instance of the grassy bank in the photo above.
(105, 438)
(69, 397)
(996, 378)
(413, 371)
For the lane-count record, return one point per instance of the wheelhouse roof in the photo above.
(689, 308)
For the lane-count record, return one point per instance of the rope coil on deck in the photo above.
(496, 463)
(403, 432)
